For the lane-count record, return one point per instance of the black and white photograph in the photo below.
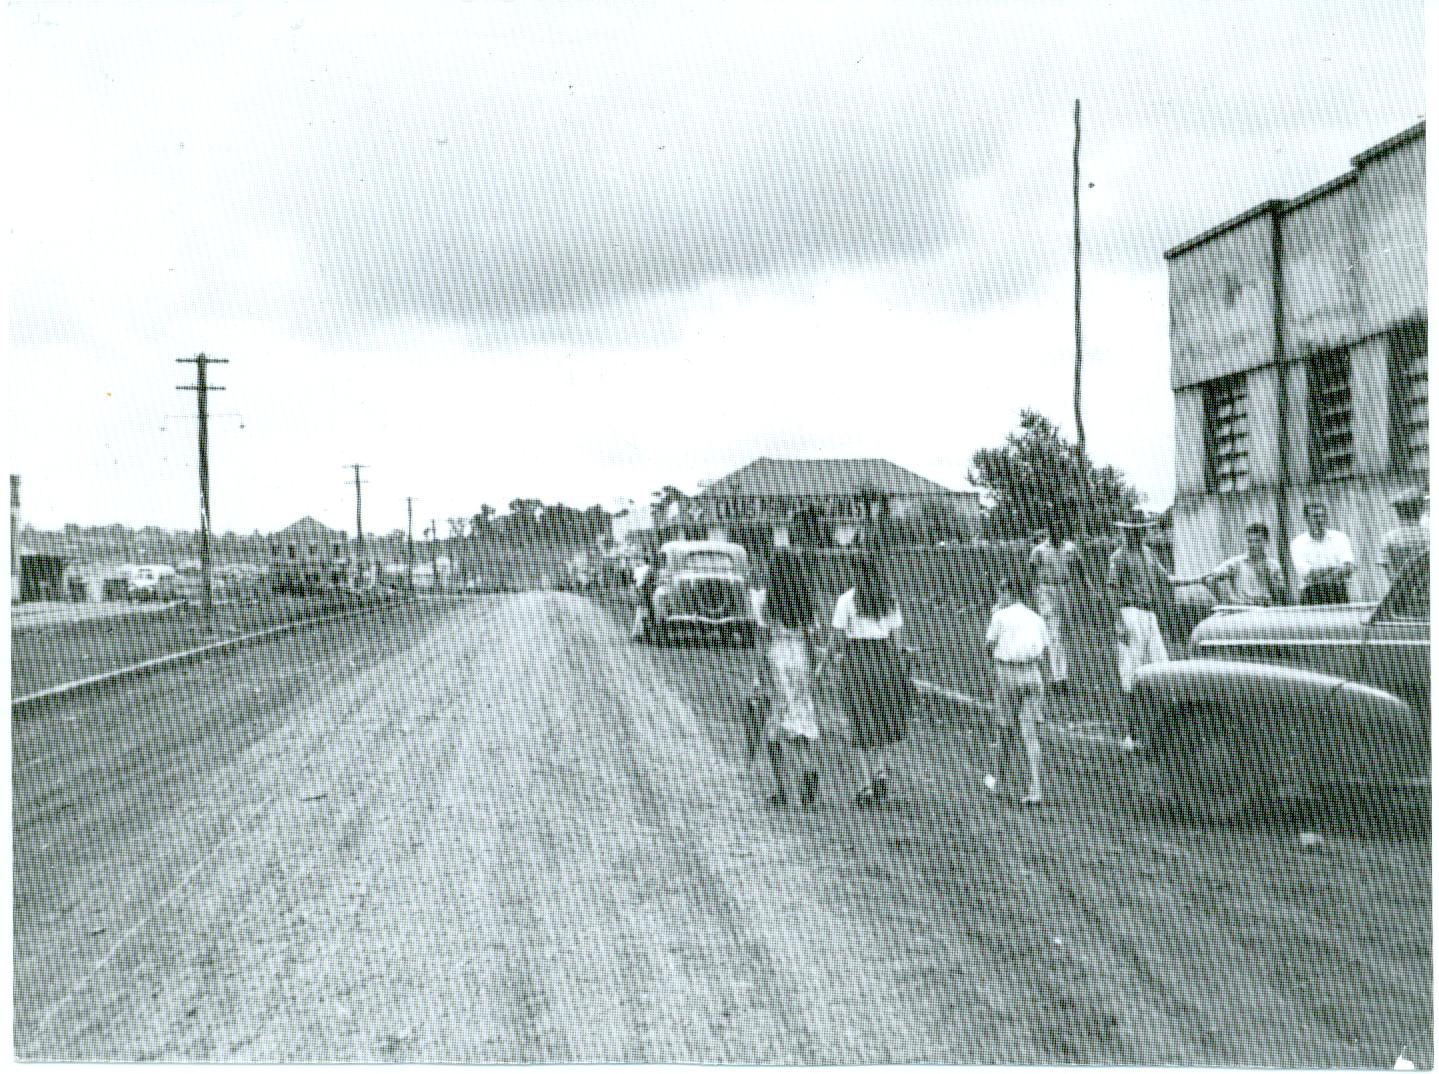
(737, 533)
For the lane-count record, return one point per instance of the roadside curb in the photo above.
(55, 693)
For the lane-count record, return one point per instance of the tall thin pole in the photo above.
(359, 520)
(202, 387)
(1078, 290)
(1087, 507)
(410, 541)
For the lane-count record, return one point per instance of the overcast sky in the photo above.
(576, 251)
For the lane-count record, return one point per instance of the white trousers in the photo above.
(1050, 599)
(1143, 645)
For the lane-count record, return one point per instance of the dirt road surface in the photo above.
(506, 834)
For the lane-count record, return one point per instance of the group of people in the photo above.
(864, 650)
(1026, 638)
(863, 647)
(1139, 587)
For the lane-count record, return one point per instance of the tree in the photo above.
(662, 500)
(874, 503)
(1040, 479)
(480, 521)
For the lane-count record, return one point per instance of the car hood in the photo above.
(1310, 623)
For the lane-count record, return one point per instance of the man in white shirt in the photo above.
(1406, 540)
(1018, 640)
(1323, 559)
(1254, 577)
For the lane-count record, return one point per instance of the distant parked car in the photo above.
(151, 581)
(702, 588)
(1302, 695)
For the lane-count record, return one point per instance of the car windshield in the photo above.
(711, 559)
(1409, 597)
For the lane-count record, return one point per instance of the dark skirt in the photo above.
(878, 692)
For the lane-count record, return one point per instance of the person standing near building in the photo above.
(1050, 567)
(1017, 639)
(1323, 559)
(787, 676)
(1138, 585)
(878, 691)
(1407, 539)
(1254, 577)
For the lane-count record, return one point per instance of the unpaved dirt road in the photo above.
(503, 833)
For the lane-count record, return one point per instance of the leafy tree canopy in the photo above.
(1039, 479)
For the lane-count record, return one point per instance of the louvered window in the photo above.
(1331, 416)
(1409, 396)
(1226, 434)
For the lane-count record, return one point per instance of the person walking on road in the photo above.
(1139, 589)
(1398, 546)
(1017, 639)
(788, 614)
(1323, 559)
(1051, 581)
(1254, 577)
(878, 690)
(647, 576)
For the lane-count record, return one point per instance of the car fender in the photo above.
(1326, 729)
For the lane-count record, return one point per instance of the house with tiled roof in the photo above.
(849, 494)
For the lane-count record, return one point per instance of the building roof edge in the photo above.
(1274, 205)
(1388, 145)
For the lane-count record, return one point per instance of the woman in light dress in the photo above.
(878, 690)
(787, 677)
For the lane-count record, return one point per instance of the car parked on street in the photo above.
(703, 587)
(1294, 696)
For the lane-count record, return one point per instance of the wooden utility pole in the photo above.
(202, 387)
(359, 520)
(410, 542)
(1078, 324)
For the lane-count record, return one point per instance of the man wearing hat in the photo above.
(1139, 587)
(1410, 537)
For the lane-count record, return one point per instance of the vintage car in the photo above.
(1293, 697)
(702, 587)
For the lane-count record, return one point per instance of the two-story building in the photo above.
(1299, 351)
(849, 494)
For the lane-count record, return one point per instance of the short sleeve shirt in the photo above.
(856, 627)
(1254, 583)
(1401, 544)
(1017, 634)
(1050, 567)
(1310, 555)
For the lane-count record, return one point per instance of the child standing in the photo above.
(1018, 640)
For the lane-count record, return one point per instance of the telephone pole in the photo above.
(202, 387)
(359, 520)
(1078, 330)
(410, 542)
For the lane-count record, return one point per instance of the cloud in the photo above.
(510, 210)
